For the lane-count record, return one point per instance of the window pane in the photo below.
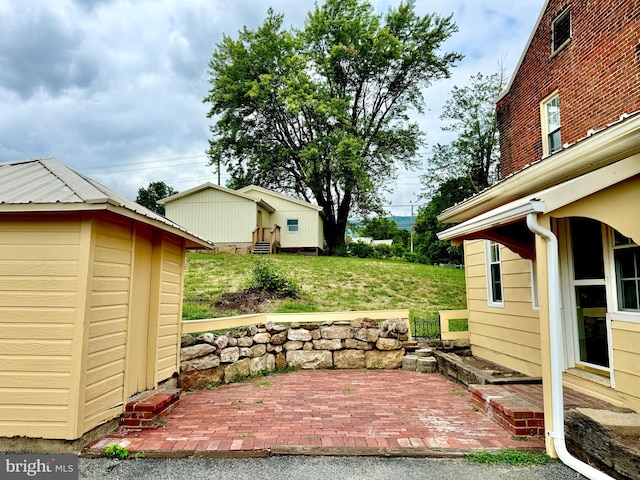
(495, 252)
(620, 239)
(496, 283)
(592, 324)
(292, 225)
(553, 114)
(625, 262)
(628, 277)
(586, 243)
(561, 30)
(629, 294)
(555, 144)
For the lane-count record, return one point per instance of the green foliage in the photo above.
(360, 250)
(116, 451)
(475, 153)
(509, 457)
(380, 228)
(427, 224)
(148, 197)
(266, 275)
(323, 112)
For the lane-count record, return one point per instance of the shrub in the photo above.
(383, 251)
(267, 276)
(361, 250)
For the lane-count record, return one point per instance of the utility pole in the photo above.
(411, 236)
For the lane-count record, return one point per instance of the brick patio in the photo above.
(382, 412)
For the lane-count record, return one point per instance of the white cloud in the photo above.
(107, 84)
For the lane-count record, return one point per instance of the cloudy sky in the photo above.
(114, 88)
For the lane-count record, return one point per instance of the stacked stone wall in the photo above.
(211, 359)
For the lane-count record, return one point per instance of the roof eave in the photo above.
(595, 151)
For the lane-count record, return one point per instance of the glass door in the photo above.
(590, 295)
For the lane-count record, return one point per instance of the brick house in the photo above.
(551, 250)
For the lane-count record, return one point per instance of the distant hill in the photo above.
(404, 223)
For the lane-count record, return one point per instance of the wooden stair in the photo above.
(262, 248)
(147, 409)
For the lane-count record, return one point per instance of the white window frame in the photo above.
(535, 302)
(297, 225)
(548, 130)
(572, 349)
(489, 247)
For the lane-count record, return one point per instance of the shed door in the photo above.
(138, 328)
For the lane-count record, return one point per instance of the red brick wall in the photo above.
(597, 77)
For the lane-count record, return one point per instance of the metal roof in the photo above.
(37, 184)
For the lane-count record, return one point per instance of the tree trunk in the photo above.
(334, 233)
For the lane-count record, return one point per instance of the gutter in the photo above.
(555, 345)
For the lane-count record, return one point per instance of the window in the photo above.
(627, 261)
(561, 31)
(292, 225)
(494, 273)
(550, 112)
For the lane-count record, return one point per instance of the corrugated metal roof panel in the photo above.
(46, 181)
(31, 182)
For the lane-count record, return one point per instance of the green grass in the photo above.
(458, 325)
(327, 284)
(509, 457)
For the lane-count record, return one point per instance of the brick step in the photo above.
(147, 409)
(514, 412)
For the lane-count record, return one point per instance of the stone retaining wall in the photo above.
(210, 359)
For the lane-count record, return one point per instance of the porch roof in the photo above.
(505, 224)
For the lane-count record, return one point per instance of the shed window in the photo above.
(561, 30)
(494, 273)
(292, 225)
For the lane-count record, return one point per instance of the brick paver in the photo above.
(381, 409)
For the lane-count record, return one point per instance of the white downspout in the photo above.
(556, 347)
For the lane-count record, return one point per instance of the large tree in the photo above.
(470, 113)
(427, 225)
(148, 197)
(323, 112)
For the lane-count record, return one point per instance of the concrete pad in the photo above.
(623, 424)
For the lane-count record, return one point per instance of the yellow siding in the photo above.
(218, 216)
(38, 279)
(107, 322)
(507, 335)
(170, 310)
(626, 360)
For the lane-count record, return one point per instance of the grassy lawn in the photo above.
(328, 284)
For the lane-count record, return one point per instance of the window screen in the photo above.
(561, 29)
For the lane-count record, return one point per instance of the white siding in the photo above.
(309, 232)
(218, 216)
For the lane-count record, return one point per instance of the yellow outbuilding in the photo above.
(90, 301)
